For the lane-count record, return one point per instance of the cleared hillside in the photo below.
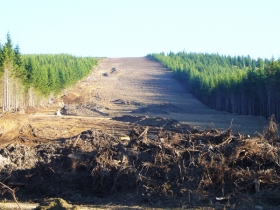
(120, 86)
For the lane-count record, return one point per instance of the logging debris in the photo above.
(175, 169)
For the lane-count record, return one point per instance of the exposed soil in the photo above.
(130, 134)
(139, 86)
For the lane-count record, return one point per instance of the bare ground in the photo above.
(119, 86)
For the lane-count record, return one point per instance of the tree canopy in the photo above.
(236, 84)
(28, 78)
(52, 73)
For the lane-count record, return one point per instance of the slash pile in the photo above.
(196, 167)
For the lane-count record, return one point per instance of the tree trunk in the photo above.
(6, 92)
(269, 103)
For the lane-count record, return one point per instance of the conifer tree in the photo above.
(7, 67)
(238, 84)
(28, 79)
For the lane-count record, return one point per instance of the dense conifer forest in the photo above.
(29, 80)
(236, 84)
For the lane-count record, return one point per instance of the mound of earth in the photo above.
(121, 102)
(84, 110)
(164, 123)
(56, 203)
(198, 168)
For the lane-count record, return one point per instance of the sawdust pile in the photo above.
(196, 167)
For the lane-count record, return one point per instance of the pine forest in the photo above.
(29, 80)
(236, 84)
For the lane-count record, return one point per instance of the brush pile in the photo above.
(198, 167)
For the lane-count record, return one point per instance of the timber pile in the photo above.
(198, 167)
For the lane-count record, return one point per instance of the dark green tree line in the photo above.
(236, 84)
(53, 73)
(27, 79)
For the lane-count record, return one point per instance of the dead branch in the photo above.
(12, 192)
(143, 133)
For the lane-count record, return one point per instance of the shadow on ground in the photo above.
(198, 168)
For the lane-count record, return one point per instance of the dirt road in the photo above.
(139, 86)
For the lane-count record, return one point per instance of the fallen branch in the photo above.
(12, 192)
(143, 133)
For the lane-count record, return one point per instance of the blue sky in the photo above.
(131, 28)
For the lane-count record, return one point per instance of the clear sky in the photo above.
(129, 28)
